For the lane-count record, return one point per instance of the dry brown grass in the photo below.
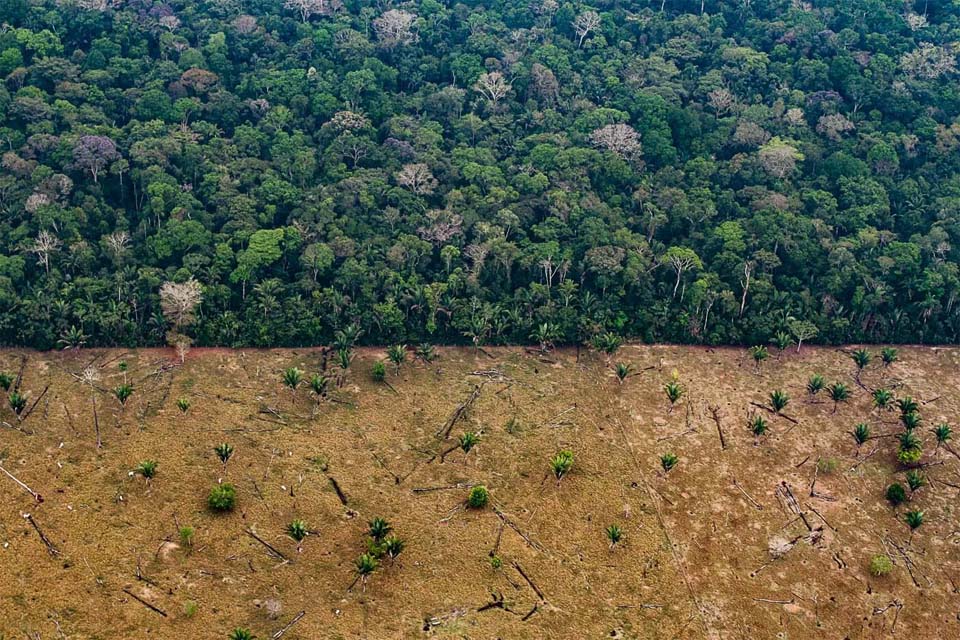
(695, 561)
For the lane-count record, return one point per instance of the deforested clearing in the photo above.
(654, 492)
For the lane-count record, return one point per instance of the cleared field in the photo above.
(761, 537)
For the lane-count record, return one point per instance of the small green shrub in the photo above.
(397, 355)
(908, 405)
(668, 461)
(562, 463)
(222, 498)
(882, 398)
(292, 378)
(911, 449)
(365, 565)
(861, 433)
(5, 380)
(18, 402)
(393, 546)
(861, 358)
(622, 371)
(759, 353)
(378, 372)
(896, 494)
(881, 565)
(379, 528)
(758, 426)
(190, 608)
(838, 392)
(614, 534)
(915, 480)
(224, 452)
(910, 420)
(674, 392)
(496, 562)
(298, 530)
(914, 518)
(123, 393)
(478, 497)
(469, 440)
(186, 534)
(778, 400)
(241, 634)
(183, 404)
(146, 468)
(888, 355)
(815, 384)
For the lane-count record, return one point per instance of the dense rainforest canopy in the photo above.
(500, 171)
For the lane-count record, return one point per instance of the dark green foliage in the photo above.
(778, 400)
(393, 547)
(861, 358)
(908, 405)
(223, 497)
(366, 564)
(758, 426)
(888, 355)
(292, 378)
(426, 352)
(944, 433)
(224, 452)
(668, 461)
(896, 494)
(815, 384)
(674, 392)
(914, 518)
(614, 534)
(861, 433)
(607, 343)
(468, 441)
(838, 392)
(684, 172)
(378, 372)
(915, 480)
(147, 469)
(397, 355)
(623, 371)
(379, 528)
(319, 384)
(781, 340)
(882, 398)
(759, 353)
(123, 393)
(183, 404)
(910, 449)
(478, 497)
(241, 634)
(5, 381)
(910, 420)
(18, 402)
(298, 530)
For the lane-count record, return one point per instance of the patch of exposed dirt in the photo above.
(768, 538)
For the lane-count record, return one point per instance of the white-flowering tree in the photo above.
(620, 139)
(395, 28)
(418, 178)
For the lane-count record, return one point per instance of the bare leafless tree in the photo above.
(621, 139)
(45, 244)
(417, 178)
(395, 28)
(584, 23)
(493, 86)
(309, 8)
(179, 302)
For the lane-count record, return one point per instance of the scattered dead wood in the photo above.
(556, 421)
(747, 495)
(289, 625)
(51, 548)
(144, 602)
(715, 412)
(23, 485)
(895, 604)
(96, 422)
(769, 601)
(510, 523)
(336, 487)
(273, 550)
(446, 487)
(529, 581)
(908, 562)
(496, 602)
(791, 503)
(775, 412)
(813, 483)
(396, 479)
(27, 413)
(459, 412)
